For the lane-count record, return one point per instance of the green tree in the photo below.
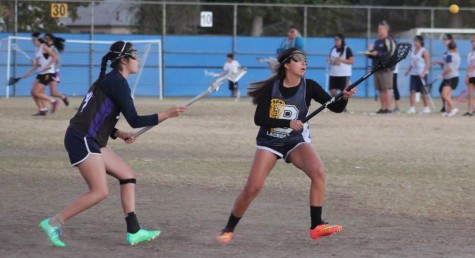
(35, 16)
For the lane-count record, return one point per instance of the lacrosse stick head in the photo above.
(401, 52)
(235, 77)
(13, 80)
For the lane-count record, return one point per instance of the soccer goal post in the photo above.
(80, 65)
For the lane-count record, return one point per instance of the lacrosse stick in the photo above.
(19, 50)
(364, 53)
(426, 88)
(14, 80)
(211, 74)
(271, 62)
(212, 88)
(463, 95)
(402, 50)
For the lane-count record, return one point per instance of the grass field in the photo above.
(401, 185)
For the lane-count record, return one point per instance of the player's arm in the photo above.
(126, 136)
(121, 95)
(349, 58)
(426, 58)
(317, 93)
(31, 70)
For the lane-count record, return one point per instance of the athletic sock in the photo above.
(315, 216)
(232, 223)
(55, 221)
(132, 223)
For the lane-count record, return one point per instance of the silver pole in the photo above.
(16, 17)
(368, 37)
(432, 17)
(91, 46)
(234, 27)
(14, 41)
(305, 15)
(164, 36)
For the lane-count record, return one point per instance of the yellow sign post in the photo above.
(59, 10)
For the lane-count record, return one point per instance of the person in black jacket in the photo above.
(86, 143)
(282, 103)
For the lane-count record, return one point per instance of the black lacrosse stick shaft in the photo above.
(402, 50)
(338, 97)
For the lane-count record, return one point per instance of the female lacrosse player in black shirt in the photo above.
(282, 104)
(86, 139)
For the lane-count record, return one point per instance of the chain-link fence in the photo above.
(196, 35)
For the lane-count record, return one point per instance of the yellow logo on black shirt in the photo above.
(277, 107)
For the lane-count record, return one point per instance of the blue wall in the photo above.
(186, 58)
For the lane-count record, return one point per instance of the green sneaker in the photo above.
(52, 233)
(141, 236)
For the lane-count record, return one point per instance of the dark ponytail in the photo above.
(58, 43)
(257, 89)
(102, 74)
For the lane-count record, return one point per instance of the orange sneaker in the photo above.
(324, 230)
(225, 237)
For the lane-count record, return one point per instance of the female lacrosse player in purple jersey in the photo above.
(86, 139)
(282, 104)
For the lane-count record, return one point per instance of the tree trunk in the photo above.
(456, 21)
(257, 24)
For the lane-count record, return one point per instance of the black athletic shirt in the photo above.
(100, 110)
(314, 91)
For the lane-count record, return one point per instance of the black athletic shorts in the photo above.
(46, 78)
(452, 82)
(281, 151)
(338, 82)
(233, 85)
(80, 147)
(416, 83)
(471, 80)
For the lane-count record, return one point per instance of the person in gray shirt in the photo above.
(450, 76)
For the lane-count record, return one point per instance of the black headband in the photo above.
(121, 53)
(291, 55)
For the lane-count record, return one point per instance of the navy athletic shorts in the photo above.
(80, 147)
(281, 151)
(338, 82)
(452, 82)
(416, 83)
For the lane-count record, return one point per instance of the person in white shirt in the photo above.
(470, 78)
(450, 76)
(44, 67)
(232, 66)
(420, 64)
(341, 60)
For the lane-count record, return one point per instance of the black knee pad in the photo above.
(127, 181)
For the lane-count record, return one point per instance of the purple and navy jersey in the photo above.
(101, 108)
